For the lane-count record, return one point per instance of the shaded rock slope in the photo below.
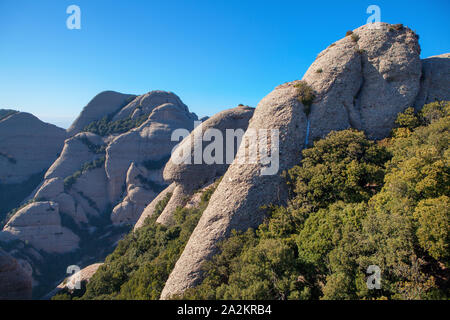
(362, 81)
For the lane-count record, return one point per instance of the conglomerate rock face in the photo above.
(27, 146)
(150, 209)
(39, 224)
(187, 176)
(362, 81)
(236, 201)
(150, 142)
(435, 82)
(103, 104)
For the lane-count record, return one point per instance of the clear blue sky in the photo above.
(213, 54)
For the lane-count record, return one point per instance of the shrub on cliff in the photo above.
(305, 95)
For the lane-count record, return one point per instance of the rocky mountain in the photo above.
(28, 147)
(187, 177)
(108, 171)
(102, 105)
(361, 81)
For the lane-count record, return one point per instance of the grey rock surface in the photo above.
(435, 82)
(188, 175)
(83, 186)
(151, 141)
(74, 154)
(39, 224)
(150, 209)
(146, 103)
(138, 197)
(27, 146)
(361, 84)
(103, 104)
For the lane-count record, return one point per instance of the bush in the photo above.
(106, 127)
(348, 33)
(305, 94)
(433, 221)
(94, 148)
(343, 166)
(434, 111)
(355, 37)
(408, 119)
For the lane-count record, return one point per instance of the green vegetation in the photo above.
(106, 127)
(348, 33)
(140, 265)
(150, 185)
(396, 27)
(355, 37)
(94, 148)
(91, 165)
(156, 164)
(319, 70)
(353, 203)
(305, 94)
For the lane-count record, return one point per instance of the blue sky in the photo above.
(213, 54)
